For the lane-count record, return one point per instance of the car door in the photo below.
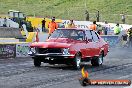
(79, 43)
(89, 44)
(96, 43)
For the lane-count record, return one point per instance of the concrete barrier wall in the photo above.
(112, 40)
(8, 32)
(7, 51)
(4, 40)
(12, 50)
(22, 50)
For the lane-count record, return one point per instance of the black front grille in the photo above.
(49, 50)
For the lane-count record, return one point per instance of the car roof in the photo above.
(75, 28)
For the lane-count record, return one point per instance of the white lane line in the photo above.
(126, 76)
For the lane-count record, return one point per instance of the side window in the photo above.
(88, 34)
(95, 36)
(80, 35)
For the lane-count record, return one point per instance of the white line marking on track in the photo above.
(126, 76)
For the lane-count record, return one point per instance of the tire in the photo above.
(77, 61)
(37, 62)
(97, 61)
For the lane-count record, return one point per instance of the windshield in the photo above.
(68, 33)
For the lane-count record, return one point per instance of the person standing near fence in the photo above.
(93, 26)
(97, 15)
(43, 25)
(117, 29)
(87, 15)
(123, 18)
(5, 22)
(129, 37)
(123, 37)
(106, 28)
(52, 25)
(70, 24)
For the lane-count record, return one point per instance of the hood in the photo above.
(50, 45)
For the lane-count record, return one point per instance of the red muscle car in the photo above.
(71, 47)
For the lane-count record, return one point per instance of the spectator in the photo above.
(123, 37)
(52, 25)
(61, 25)
(5, 22)
(130, 37)
(24, 29)
(21, 23)
(123, 18)
(70, 24)
(29, 26)
(106, 28)
(93, 26)
(97, 15)
(87, 15)
(117, 29)
(43, 25)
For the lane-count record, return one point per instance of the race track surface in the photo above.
(20, 72)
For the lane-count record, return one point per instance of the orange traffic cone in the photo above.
(37, 37)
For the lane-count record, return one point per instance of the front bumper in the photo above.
(54, 58)
(50, 55)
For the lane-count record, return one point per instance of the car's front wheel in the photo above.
(37, 62)
(97, 61)
(77, 61)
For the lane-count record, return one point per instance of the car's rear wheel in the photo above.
(77, 61)
(37, 62)
(97, 61)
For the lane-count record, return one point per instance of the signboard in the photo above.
(22, 50)
(7, 51)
